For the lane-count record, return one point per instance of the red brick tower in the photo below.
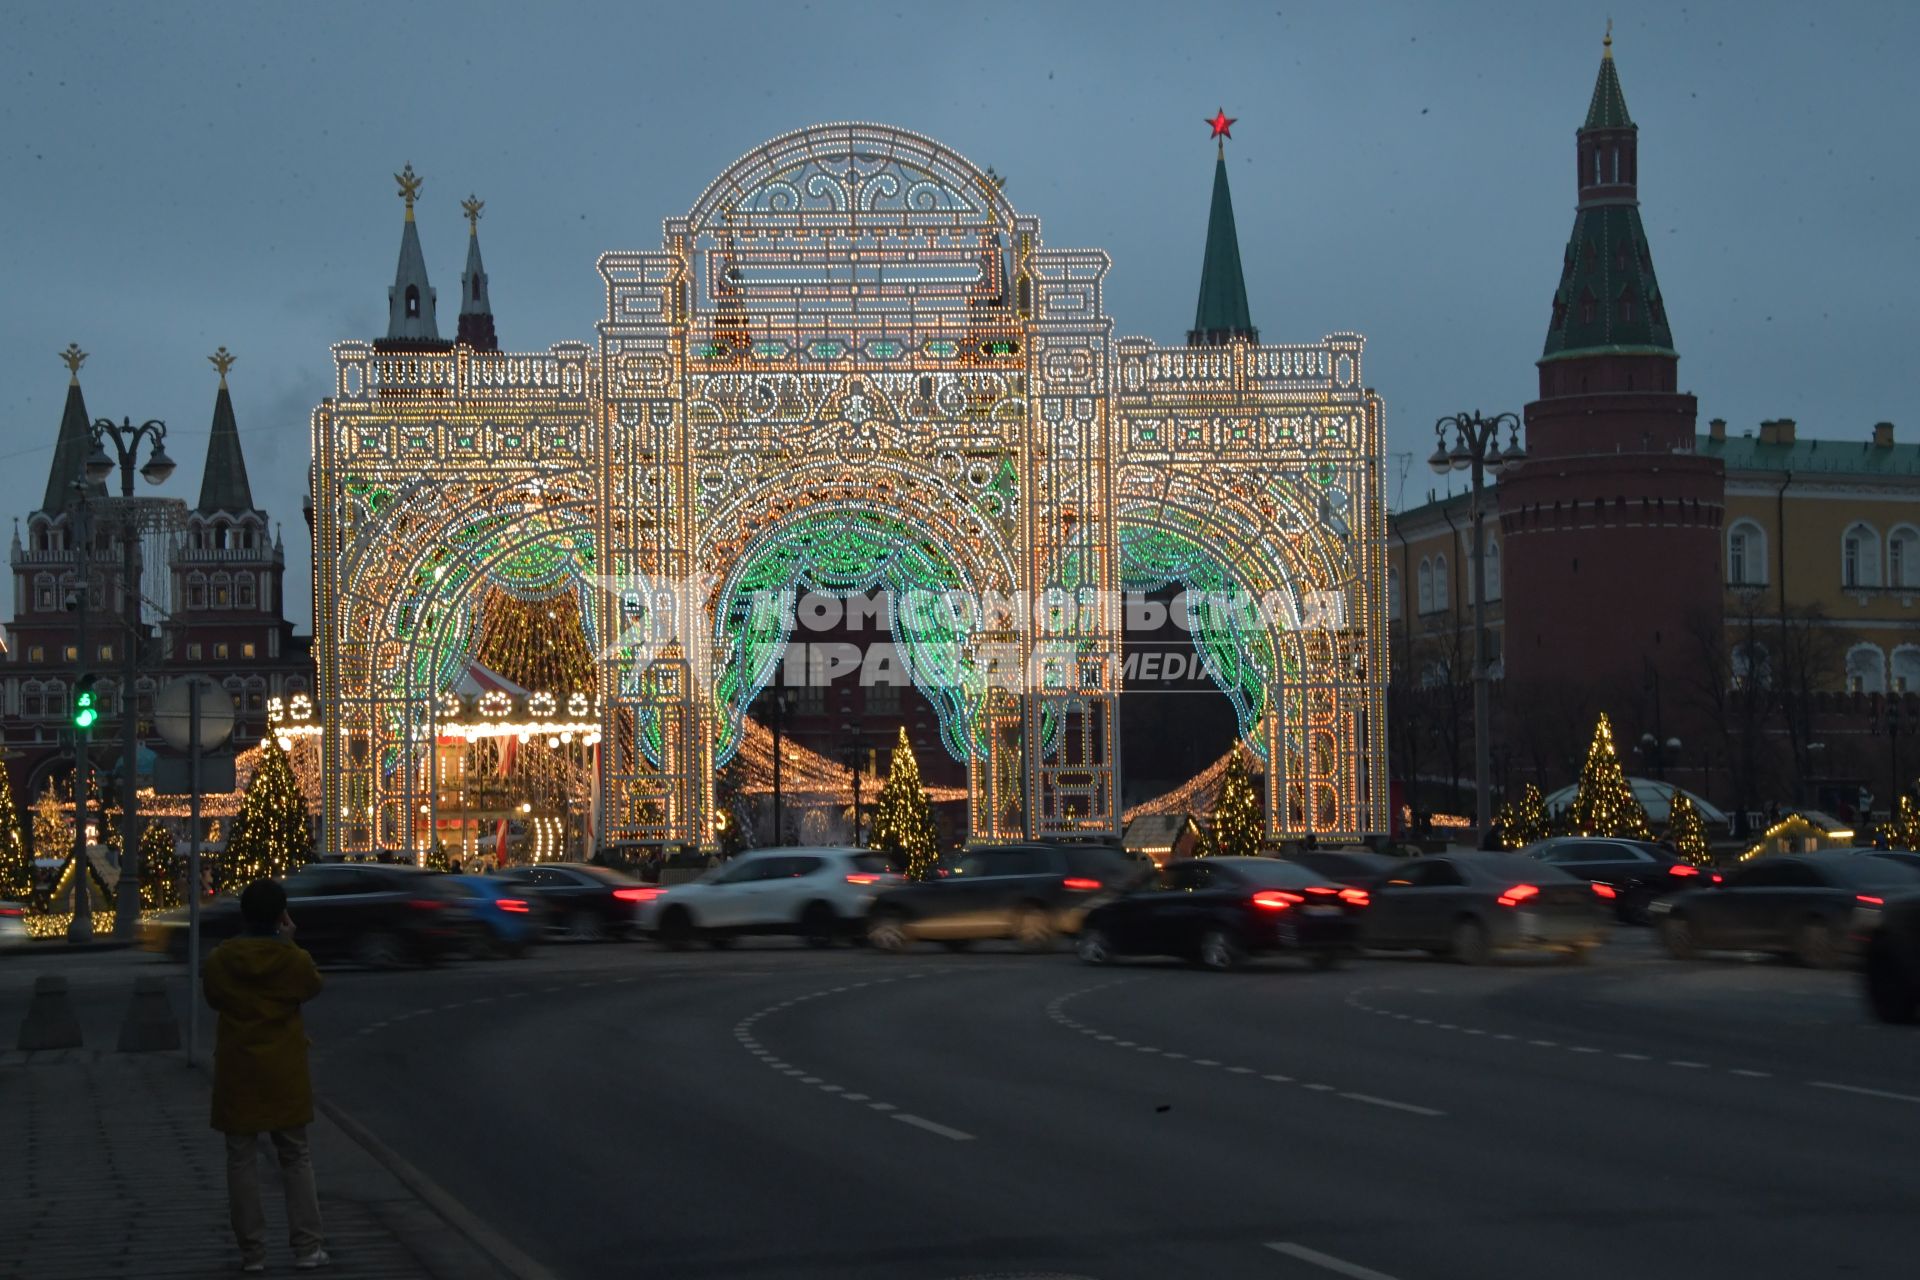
(1611, 527)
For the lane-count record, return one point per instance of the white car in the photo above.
(819, 894)
(13, 928)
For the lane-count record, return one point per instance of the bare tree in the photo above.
(1734, 691)
(1811, 663)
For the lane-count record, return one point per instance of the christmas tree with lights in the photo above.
(1523, 821)
(1687, 830)
(1902, 831)
(16, 869)
(1236, 826)
(269, 836)
(1604, 805)
(160, 869)
(902, 826)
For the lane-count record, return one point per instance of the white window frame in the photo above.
(1866, 669)
(1426, 586)
(1904, 668)
(1903, 557)
(1440, 590)
(1746, 554)
(1860, 557)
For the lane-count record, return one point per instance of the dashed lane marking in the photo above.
(931, 1127)
(1863, 1091)
(1326, 1261)
(1391, 1104)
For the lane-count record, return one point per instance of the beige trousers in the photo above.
(243, 1193)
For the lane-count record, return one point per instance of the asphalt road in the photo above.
(777, 1112)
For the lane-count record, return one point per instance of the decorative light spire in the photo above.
(222, 360)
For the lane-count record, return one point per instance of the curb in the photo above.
(490, 1243)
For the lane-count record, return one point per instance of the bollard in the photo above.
(150, 1024)
(49, 1023)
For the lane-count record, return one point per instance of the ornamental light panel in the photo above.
(853, 364)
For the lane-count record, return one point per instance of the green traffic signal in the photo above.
(84, 712)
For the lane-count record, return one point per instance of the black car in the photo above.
(372, 914)
(585, 902)
(1030, 893)
(1219, 911)
(1637, 871)
(1891, 947)
(1356, 868)
(1798, 904)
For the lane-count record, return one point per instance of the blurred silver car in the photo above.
(13, 925)
(1471, 906)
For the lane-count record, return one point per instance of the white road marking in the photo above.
(831, 1088)
(1171, 1054)
(1691, 1066)
(1205, 1062)
(918, 1123)
(1319, 1088)
(855, 1097)
(1580, 1048)
(1279, 1079)
(1864, 1092)
(1751, 1074)
(1327, 1262)
(809, 1079)
(1544, 1044)
(1634, 1057)
(882, 1106)
(1390, 1103)
(1241, 1071)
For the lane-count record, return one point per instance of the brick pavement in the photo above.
(110, 1171)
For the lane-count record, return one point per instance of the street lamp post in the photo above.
(80, 927)
(779, 711)
(853, 756)
(1476, 446)
(126, 440)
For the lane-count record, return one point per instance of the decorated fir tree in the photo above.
(1523, 821)
(1902, 830)
(16, 869)
(1604, 805)
(52, 829)
(160, 869)
(902, 826)
(1687, 830)
(1236, 815)
(734, 816)
(438, 859)
(269, 836)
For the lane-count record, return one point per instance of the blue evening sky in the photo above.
(178, 176)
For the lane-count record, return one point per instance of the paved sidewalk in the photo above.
(110, 1170)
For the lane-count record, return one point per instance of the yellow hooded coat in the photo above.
(260, 1080)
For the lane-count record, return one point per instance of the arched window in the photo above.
(222, 591)
(1393, 592)
(1866, 669)
(243, 591)
(1746, 555)
(1426, 586)
(1906, 669)
(32, 700)
(1903, 557)
(1493, 569)
(1439, 582)
(196, 591)
(1752, 664)
(413, 302)
(43, 595)
(1860, 557)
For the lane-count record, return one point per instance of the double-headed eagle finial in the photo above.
(73, 357)
(223, 361)
(409, 187)
(472, 206)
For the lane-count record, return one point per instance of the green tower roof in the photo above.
(1221, 315)
(1608, 110)
(70, 452)
(223, 485)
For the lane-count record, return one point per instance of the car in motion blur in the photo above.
(1031, 893)
(13, 925)
(376, 915)
(1223, 911)
(1638, 871)
(584, 902)
(820, 894)
(1793, 904)
(506, 919)
(1356, 868)
(1473, 906)
(1890, 944)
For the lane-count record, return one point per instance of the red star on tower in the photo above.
(1223, 124)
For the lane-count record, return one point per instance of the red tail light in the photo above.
(863, 877)
(1716, 877)
(1604, 890)
(1864, 897)
(1276, 899)
(638, 894)
(1355, 897)
(426, 904)
(12, 911)
(516, 905)
(1682, 869)
(1519, 894)
(1082, 883)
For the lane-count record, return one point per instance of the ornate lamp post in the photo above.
(854, 756)
(1476, 446)
(126, 440)
(80, 928)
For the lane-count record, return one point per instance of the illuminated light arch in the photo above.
(854, 363)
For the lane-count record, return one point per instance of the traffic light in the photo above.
(85, 709)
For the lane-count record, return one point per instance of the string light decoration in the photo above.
(902, 827)
(160, 869)
(1236, 827)
(1523, 821)
(852, 365)
(1902, 831)
(16, 868)
(537, 644)
(269, 838)
(1687, 830)
(1604, 805)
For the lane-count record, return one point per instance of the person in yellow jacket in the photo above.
(257, 983)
